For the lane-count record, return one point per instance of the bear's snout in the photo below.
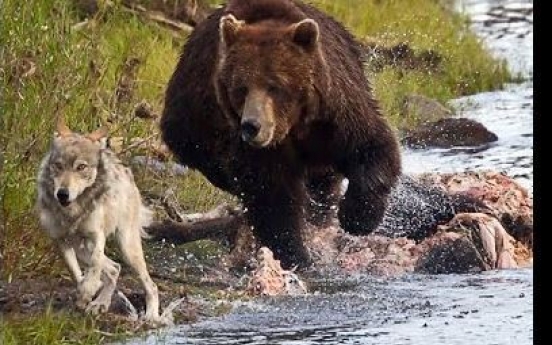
(250, 129)
(257, 119)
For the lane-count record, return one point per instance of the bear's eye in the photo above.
(240, 92)
(273, 89)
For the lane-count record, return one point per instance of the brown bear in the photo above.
(270, 102)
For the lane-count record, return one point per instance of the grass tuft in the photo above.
(52, 328)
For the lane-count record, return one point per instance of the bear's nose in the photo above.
(250, 129)
(63, 196)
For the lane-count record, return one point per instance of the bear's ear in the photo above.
(229, 29)
(305, 34)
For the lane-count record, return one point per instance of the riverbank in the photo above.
(92, 70)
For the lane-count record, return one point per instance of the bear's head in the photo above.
(265, 80)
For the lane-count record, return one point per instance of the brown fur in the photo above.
(297, 75)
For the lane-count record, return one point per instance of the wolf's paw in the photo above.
(157, 321)
(100, 305)
(166, 318)
(87, 289)
(82, 303)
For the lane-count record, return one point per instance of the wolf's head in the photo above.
(74, 161)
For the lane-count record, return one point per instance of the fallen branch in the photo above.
(137, 143)
(222, 223)
(157, 17)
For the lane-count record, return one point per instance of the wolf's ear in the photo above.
(99, 135)
(305, 34)
(61, 128)
(229, 28)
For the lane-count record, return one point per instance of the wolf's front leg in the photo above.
(131, 248)
(109, 276)
(91, 282)
(68, 253)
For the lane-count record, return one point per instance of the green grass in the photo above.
(50, 328)
(47, 67)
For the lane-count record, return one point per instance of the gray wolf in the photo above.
(85, 195)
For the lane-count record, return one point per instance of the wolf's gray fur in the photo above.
(86, 194)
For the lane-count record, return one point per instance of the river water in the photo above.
(494, 308)
(506, 26)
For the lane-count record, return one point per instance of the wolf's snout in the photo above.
(250, 129)
(63, 196)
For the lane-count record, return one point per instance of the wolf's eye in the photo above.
(57, 166)
(81, 167)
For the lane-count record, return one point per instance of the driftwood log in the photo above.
(221, 223)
